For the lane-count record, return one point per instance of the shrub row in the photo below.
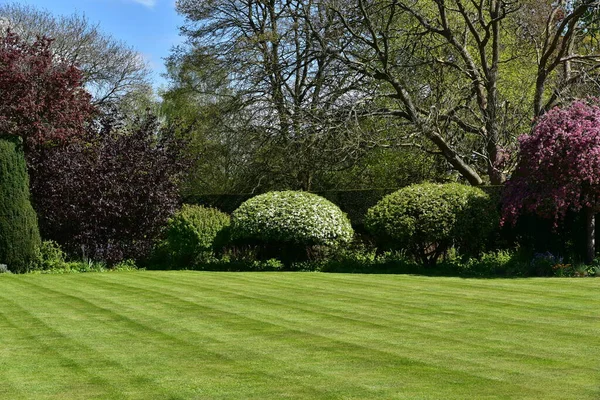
(449, 228)
(425, 221)
(354, 203)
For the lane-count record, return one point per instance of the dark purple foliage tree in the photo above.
(42, 98)
(109, 194)
(559, 168)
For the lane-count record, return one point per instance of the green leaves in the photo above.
(427, 219)
(192, 231)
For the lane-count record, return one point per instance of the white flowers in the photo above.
(290, 216)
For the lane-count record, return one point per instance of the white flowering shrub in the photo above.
(297, 218)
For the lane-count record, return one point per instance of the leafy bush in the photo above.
(426, 220)
(81, 266)
(49, 257)
(191, 234)
(19, 234)
(495, 263)
(289, 223)
(111, 193)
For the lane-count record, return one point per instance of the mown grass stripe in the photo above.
(314, 335)
(436, 336)
(241, 316)
(178, 340)
(52, 343)
(409, 320)
(413, 362)
(94, 357)
(451, 295)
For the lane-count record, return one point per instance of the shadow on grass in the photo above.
(444, 269)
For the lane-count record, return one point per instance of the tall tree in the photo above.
(111, 69)
(559, 169)
(43, 100)
(201, 108)
(295, 95)
(469, 75)
(42, 103)
(19, 233)
(110, 193)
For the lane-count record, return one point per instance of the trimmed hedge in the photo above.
(354, 203)
(426, 220)
(19, 233)
(531, 233)
(191, 234)
(291, 217)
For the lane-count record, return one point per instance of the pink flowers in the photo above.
(559, 167)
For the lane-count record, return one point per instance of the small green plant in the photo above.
(49, 256)
(490, 264)
(125, 265)
(576, 270)
(562, 270)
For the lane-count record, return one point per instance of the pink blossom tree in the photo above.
(559, 168)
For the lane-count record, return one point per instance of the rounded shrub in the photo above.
(290, 220)
(426, 220)
(191, 233)
(19, 233)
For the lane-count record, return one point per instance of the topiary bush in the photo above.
(426, 220)
(19, 233)
(191, 234)
(288, 225)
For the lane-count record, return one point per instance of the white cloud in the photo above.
(147, 3)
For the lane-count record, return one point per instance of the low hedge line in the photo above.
(533, 233)
(448, 229)
(355, 203)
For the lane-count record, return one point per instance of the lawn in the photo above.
(199, 335)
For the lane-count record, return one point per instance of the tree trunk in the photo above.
(590, 227)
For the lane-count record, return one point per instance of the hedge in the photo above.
(19, 233)
(354, 203)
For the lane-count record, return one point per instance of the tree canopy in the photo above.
(42, 98)
(110, 68)
(461, 79)
(559, 168)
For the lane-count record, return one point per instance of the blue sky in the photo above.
(150, 26)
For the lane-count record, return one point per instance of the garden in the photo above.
(361, 201)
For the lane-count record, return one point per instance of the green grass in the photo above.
(199, 335)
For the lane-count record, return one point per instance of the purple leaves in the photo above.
(559, 166)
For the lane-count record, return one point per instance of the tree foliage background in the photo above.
(322, 84)
(110, 68)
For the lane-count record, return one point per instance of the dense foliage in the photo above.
(559, 167)
(291, 217)
(109, 194)
(19, 234)
(191, 233)
(426, 220)
(42, 98)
